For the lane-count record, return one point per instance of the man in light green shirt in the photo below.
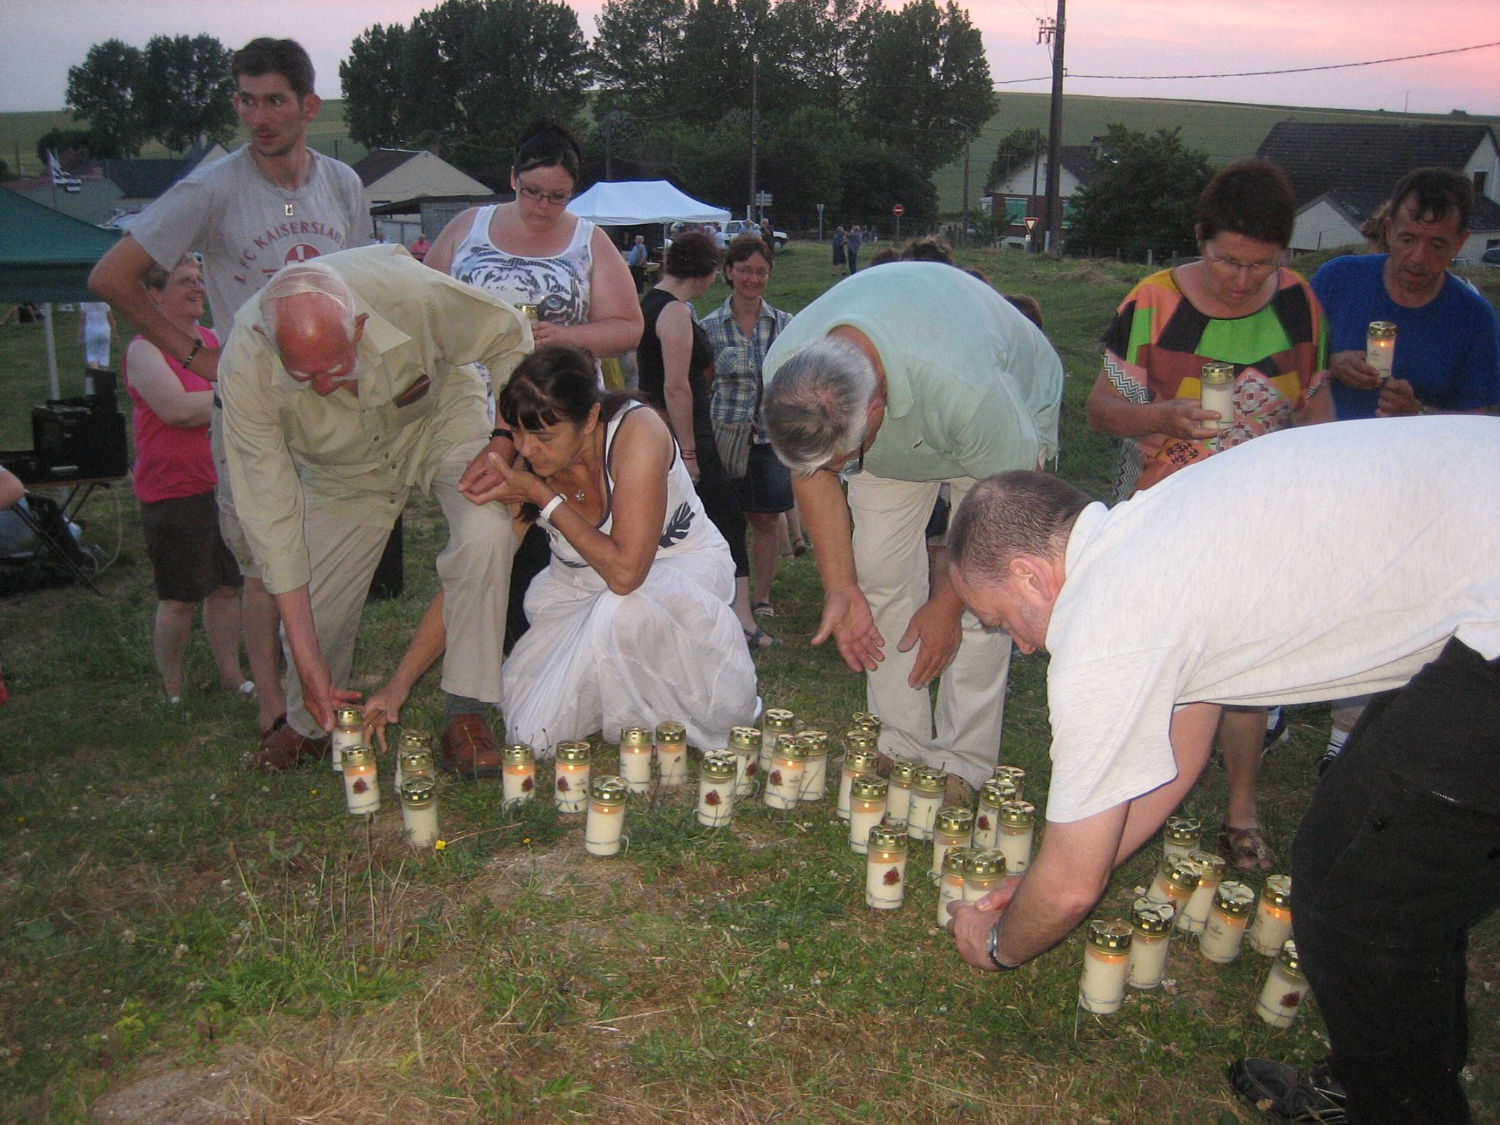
(925, 376)
(348, 381)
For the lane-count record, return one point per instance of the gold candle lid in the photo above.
(517, 754)
(418, 792)
(864, 720)
(869, 787)
(955, 819)
(816, 742)
(1152, 917)
(860, 739)
(791, 747)
(358, 756)
(412, 738)
(1017, 814)
(1110, 935)
(1185, 831)
(887, 838)
(902, 771)
(719, 766)
(927, 780)
(1289, 959)
(1234, 899)
(985, 865)
(670, 733)
(1277, 891)
(1183, 874)
(780, 720)
(1381, 330)
(348, 718)
(996, 791)
(1211, 865)
(635, 737)
(956, 861)
(1216, 373)
(573, 752)
(744, 738)
(1015, 773)
(861, 761)
(608, 789)
(415, 759)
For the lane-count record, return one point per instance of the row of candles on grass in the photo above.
(1190, 894)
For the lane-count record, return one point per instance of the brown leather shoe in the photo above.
(282, 748)
(469, 749)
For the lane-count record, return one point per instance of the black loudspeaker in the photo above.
(80, 438)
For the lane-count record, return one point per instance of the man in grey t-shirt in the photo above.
(272, 201)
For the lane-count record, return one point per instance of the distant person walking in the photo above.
(852, 243)
(839, 258)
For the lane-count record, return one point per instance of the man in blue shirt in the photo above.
(1447, 337)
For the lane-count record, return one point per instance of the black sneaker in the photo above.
(1329, 757)
(1289, 1094)
(1277, 732)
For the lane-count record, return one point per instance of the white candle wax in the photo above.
(1102, 986)
(942, 840)
(517, 782)
(898, 798)
(1222, 936)
(420, 823)
(1380, 353)
(361, 789)
(923, 812)
(885, 878)
(1148, 959)
(1273, 916)
(602, 830)
(846, 779)
(950, 889)
(986, 835)
(1192, 917)
(1219, 397)
(784, 782)
(635, 767)
(1281, 995)
(715, 801)
(671, 761)
(1015, 845)
(571, 788)
(863, 816)
(815, 779)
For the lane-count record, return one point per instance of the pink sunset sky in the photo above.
(1104, 37)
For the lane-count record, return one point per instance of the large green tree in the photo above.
(102, 91)
(466, 77)
(821, 46)
(637, 43)
(184, 91)
(926, 70)
(1143, 196)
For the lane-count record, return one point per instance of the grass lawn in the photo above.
(188, 943)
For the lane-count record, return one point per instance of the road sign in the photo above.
(1031, 222)
(898, 210)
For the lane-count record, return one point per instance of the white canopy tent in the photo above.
(626, 203)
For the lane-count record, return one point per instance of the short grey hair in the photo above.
(1009, 515)
(816, 405)
(300, 278)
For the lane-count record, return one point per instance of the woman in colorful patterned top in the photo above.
(1235, 304)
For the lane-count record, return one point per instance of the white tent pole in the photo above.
(51, 350)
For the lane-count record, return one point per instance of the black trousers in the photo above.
(1397, 857)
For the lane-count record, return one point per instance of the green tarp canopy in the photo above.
(44, 254)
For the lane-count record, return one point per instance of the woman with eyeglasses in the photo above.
(1235, 304)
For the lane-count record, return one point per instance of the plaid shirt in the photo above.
(738, 361)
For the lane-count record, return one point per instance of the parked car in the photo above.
(736, 227)
(1491, 257)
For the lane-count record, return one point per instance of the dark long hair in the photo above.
(556, 384)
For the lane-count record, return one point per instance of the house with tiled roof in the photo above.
(1022, 191)
(1342, 173)
(393, 175)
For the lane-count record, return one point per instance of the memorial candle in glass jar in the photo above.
(348, 730)
(776, 722)
(1152, 937)
(1106, 961)
(815, 775)
(570, 789)
(784, 781)
(419, 811)
(1272, 924)
(1218, 394)
(1016, 776)
(885, 868)
(413, 762)
(1181, 835)
(412, 741)
(1175, 882)
(517, 773)
(865, 721)
(987, 820)
(951, 829)
(1191, 918)
(898, 800)
(716, 789)
(866, 808)
(1286, 984)
(1017, 830)
(606, 819)
(1380, 347)
(860, 760)
(744, 744)
(361, 788)
(951, 883)
(636, 746)
(671, 754)
(1225, 929)
(927, 786)
(984, 872)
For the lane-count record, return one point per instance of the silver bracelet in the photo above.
(995, 957)
(551, 506)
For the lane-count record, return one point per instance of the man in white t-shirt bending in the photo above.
(1399, 853)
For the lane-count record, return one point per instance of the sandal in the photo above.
(758, 639)
(1246, 848)
(763, 609)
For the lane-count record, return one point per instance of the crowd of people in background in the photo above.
(614, 539)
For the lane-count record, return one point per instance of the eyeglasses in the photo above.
(1230, 267)
(537, 195)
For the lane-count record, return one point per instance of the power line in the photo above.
(1287, 70)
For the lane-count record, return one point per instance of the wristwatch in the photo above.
(990, 950)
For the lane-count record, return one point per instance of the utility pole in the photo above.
(1053, 32)
(754, 127)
